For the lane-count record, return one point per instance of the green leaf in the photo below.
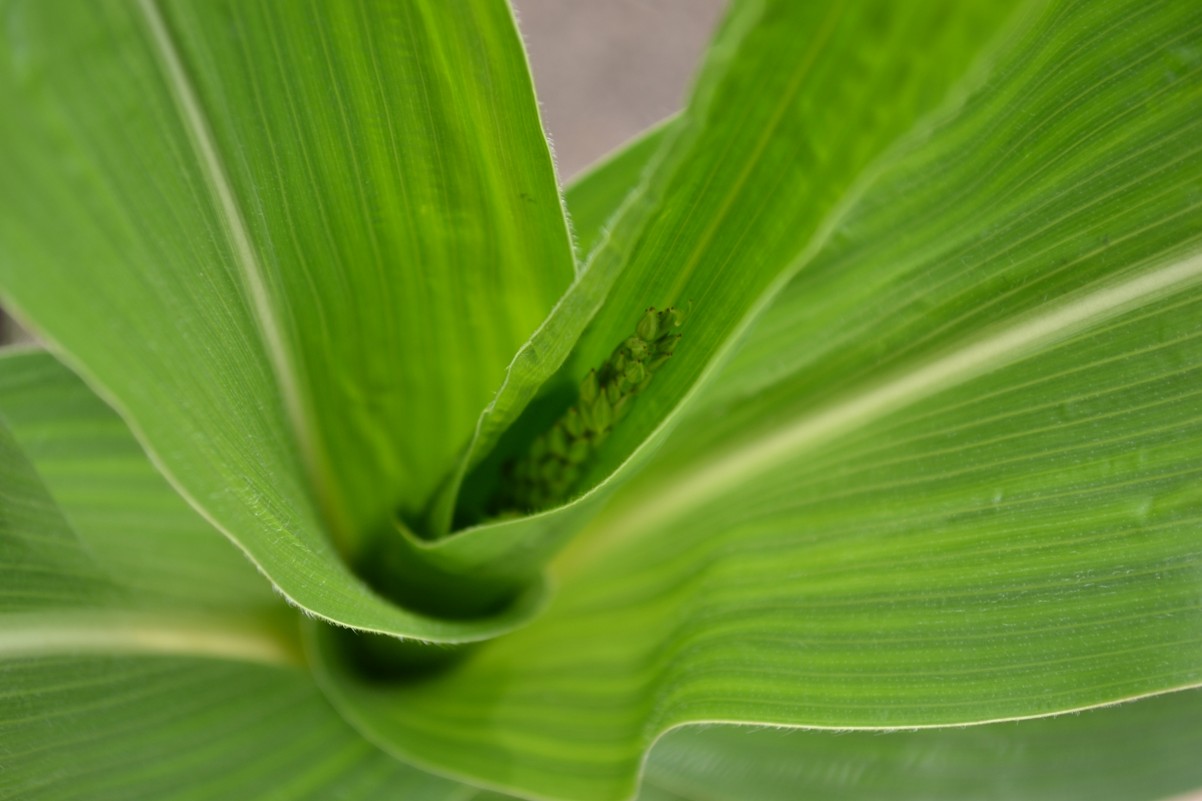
(173, 728)
(952, 477)
(138, 529)
(1139, 751)
(334, 226)
(141, 656)
(748, 161)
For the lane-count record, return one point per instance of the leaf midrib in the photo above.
(284, 366)
(1000, 347)
(237, 637)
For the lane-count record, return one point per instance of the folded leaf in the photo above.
(963, 486)
(146, 658)
(295, 246)
(139, 532)
(745, 182)
(1138, 751)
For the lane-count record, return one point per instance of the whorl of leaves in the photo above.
(549, 470)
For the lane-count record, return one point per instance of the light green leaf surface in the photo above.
(758, 156)
(138, 529)
(141, 657)
(295, 245)
(1132, 752)
(953, 478)
(168, 728)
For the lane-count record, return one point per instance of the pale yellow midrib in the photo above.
(728, 470)
(285, 367)
(115, 632)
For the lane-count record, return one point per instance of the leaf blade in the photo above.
(135, 685)
(712, 163)
(178, 151)
(1017, 542)
(1091, 755)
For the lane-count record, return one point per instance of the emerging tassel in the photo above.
(554, 463)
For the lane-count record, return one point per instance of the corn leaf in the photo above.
(141, 655)
(98, 716)
(759, 156)
(295, 245)
(927, 455)
(950, 478)
(1132, 752)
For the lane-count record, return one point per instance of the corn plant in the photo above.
(830, 440)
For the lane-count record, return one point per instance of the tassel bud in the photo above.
(648, 327)
(589, 387)
(637, 348)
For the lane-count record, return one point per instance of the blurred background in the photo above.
(603, 72)
(606, 70)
